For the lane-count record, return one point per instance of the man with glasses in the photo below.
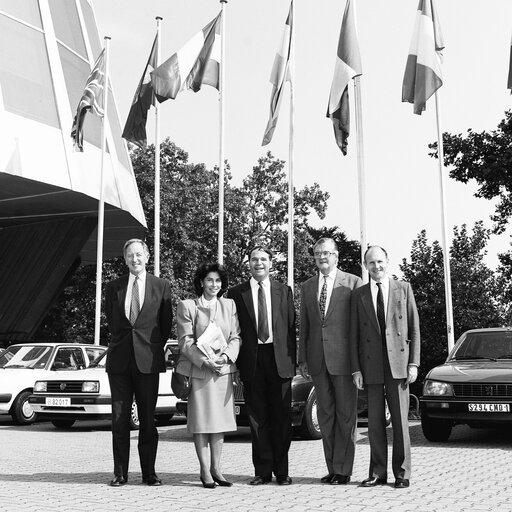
(324, 356)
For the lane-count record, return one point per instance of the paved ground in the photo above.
(44, 469)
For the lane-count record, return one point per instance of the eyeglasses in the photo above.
(323, 254)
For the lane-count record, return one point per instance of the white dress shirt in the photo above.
(142, 289)
(385, 294)
(254, 290)
(331, 276)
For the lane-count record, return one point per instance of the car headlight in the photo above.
(436, 388)
(91, 386)
(40, 386)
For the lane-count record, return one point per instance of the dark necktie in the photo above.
(322, 301)
(263, 333)
(381, 316)
(135, 303)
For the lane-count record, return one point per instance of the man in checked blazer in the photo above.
(266, 362)
(324, 356)
(139, 315)
(385, 354)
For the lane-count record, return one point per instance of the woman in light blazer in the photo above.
(211, 408)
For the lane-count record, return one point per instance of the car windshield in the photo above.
(492, 345)
(28, 356)
(100, 361)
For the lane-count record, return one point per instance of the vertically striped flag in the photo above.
(422, 75)
(348, 66)
(509, 81)
(281, 73)
(92, 99)
(135, 127)
(197, 63)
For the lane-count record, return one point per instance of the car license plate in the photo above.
(489, 407)
(237, 410)
(58, 401)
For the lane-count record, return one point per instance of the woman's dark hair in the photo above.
(203, 270)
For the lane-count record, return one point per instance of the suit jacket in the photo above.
(283, 329)
(147, 337)
(402, 333)
(329, 339)
(192, 320)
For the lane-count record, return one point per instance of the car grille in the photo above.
(482, 390)
(238, 391)
(65, 386)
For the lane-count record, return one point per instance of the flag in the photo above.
(197, 63)
(92, 99)
(280, 74)
(422, 75)
(135, 127)
(509, 82)
(348, 66)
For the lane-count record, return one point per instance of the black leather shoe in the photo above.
(207, 485)
(283, 480)
(327, 478)
(401, 483)
(151, 480)
(374, 481)
(118, 481)
(222, 483)
(260, 480)
(340, 480)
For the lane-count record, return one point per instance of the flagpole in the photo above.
(361, 173)
(220, 247)
(291, 153)
(157, 163)
(446, 249)
(101, 205)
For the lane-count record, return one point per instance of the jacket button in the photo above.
(399, 333)
(401, 350)
(400, 316)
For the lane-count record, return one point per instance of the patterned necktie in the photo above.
(322, 301)
(135, 303)
(381, 317)
(263, 333)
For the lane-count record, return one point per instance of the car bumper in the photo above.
(84, 405)
(458, 410)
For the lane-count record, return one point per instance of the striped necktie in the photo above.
(135, 302)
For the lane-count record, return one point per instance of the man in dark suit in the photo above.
(139, 315)
(324, 356)
(266, 363)
(385, 354)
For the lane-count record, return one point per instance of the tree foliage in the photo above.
(475, 290)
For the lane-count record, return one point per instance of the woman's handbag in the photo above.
(180, 385)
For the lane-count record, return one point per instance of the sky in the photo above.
(402, 181)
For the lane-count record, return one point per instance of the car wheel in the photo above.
(63, 423)
(134, 417)
(436, 430)
(21, 410)
(387, 414)
(310, 428)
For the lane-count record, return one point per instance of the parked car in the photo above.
(473, 386)
(304, 408)
(85, 394)
(22, 364)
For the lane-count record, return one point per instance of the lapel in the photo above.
(366, 299)
(275, 300)
(393, 300)
(121, 293)
(312, 291)
(249, 304)
(338, 281)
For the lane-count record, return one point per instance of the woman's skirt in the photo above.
(211, 406)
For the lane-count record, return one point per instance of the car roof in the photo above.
(33, 344)
(490, 329)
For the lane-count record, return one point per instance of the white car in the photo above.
(85, 394)
(22, 364)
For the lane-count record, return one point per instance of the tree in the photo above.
(475, 290)
(485, 157)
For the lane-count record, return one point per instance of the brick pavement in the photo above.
(44, 469)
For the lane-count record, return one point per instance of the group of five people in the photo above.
(351, 336)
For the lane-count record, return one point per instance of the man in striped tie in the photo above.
(139, 316)
(324, 356)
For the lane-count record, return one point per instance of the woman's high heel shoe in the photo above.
(207, 485)
(222, 483)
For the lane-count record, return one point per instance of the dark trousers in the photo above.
(268, 399)
(123, 387)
